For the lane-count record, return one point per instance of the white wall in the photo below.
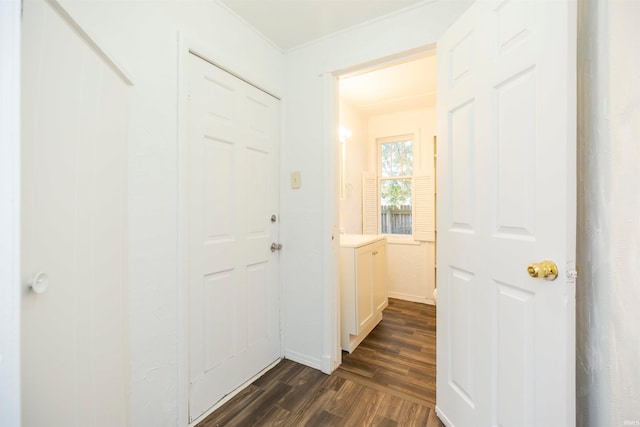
(142, 37)
(356, 162)
(307, 212)
(411, 268)
(422, 121)
(608, 287)
(10, 213)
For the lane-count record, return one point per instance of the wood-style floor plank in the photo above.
(388, 381)
(399, 353)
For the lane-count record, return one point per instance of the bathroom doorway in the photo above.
(386, 168)
(386, 187)
(386, 190)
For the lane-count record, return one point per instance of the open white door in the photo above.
(234, 294)
(506, 198)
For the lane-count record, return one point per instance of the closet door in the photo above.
(234, 301)
(75, 358)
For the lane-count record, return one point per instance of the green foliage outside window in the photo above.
(396, 161)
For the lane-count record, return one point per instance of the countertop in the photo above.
(357, 240)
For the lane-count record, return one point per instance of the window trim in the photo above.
(414, 144)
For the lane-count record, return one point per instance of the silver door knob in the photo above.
(276, 247)
(39, 283)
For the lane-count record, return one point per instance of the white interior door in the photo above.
(74, 159)
(234, 301)
(506, 198)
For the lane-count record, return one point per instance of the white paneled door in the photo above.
(506, 199)
(234, 294)
(75, 357)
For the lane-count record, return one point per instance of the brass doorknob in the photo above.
(546, 269)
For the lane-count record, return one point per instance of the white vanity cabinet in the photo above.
(363, 286)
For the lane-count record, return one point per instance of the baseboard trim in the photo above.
(325, 365)
(446, 421)
(311, 362)
(411, 298)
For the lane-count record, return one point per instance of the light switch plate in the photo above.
(295, 179)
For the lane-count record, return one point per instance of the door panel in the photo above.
(461, 314)
(506, 188)
(516, 146)
(462, 177)
(515, 350)
(234, 301)
(217, 163)
(379, 277)
(364, 263)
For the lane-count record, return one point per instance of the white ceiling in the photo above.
(290, 23)
(400, 87)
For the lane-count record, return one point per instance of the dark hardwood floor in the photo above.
(389, 380)
(399, 355)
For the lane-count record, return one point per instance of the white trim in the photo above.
(411, 298)
(303, 359)
(330, 226)
(92, 41)
(327, 365)
(415, 142)
(226, 70)
(10, 289)
(182, 390)
(245, 23)
(402, 239)
(383, 62)
(364, 24)
(446, 421)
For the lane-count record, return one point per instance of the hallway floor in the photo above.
(389, 380)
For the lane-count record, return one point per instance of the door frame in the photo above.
(187, 45)
(331, 348)
(10, 289)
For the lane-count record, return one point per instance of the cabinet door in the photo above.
(364, 266)
(379, 256)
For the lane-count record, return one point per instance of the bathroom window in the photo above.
(399, 198)
(395, 185)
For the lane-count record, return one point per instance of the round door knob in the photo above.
(276, 247)
(545, 269)
(39, 283)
